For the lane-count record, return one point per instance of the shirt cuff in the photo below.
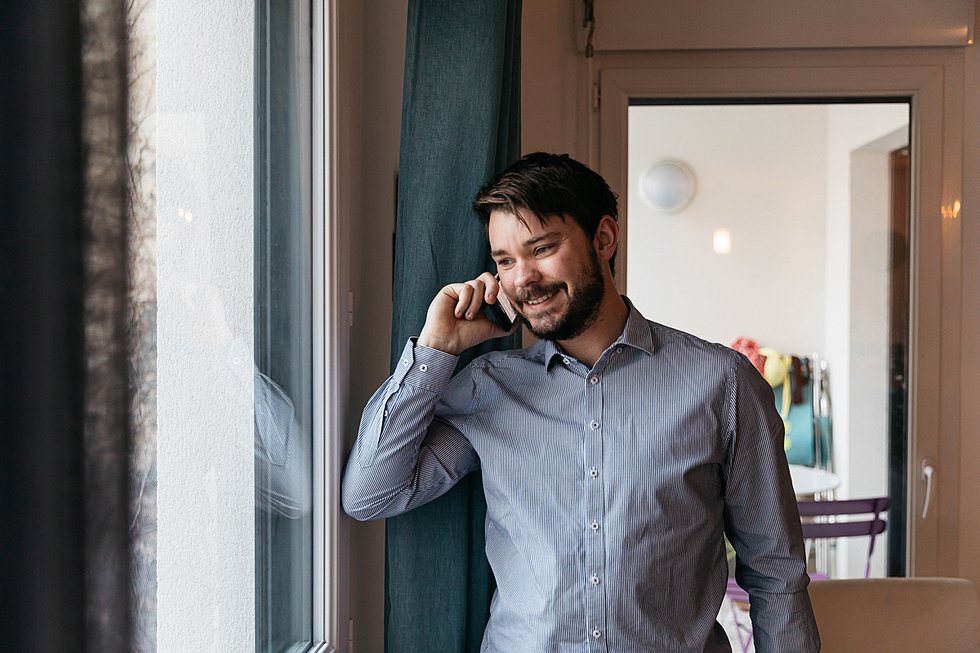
(424, 367)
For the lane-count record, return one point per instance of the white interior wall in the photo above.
(204, 159)
(859, 137)
(849, 127)
(760, 174)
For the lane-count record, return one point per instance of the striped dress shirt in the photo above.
(608, 489)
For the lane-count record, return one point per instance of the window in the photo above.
(245, 549)
(283, 340)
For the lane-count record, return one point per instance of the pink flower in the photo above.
(750, 348)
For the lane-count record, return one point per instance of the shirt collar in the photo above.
(636, 333)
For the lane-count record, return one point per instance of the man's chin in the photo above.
(533, 326)
(542, 329)
(563, 326)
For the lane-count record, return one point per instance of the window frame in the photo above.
(931, 80)
(331, 347)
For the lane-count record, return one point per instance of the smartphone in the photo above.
(501, 312)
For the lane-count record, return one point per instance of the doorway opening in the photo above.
(786, 222)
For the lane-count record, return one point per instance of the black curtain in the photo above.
(42, 363)
(41, 355)
(64, 583)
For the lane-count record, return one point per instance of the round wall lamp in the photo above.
(668, 185)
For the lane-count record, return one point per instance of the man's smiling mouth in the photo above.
(539, 300)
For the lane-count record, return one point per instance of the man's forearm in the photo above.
(783, 622)
(403, 456)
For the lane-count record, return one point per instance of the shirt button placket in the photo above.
(595, 544)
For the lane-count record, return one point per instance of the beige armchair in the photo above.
(897, 615)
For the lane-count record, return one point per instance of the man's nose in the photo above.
(525, 273)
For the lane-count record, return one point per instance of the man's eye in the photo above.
(544, 249)
(504, 263)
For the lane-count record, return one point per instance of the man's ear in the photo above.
(606, 238)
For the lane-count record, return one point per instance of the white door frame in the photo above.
(932, 80)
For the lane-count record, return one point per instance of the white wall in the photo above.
(859, 137)
(206, 538)
(761, 174)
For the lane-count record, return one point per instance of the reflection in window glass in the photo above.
(283, 329)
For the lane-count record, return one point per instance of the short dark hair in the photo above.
(548, 185)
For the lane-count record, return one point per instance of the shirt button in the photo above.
(593, 380)
(594, 473)
(565, 361)
(596, 633)
(406, 362)
(423, 367)
(594, 579)
(594, 525)
(386, 413)
(593, 425)
(619, 350)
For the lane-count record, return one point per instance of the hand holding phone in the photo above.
(501, 312)
(461, 316)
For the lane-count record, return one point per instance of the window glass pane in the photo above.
(232, 191)
(283, 329)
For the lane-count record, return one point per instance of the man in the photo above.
(615, 452)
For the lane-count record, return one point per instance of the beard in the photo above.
(581, 311)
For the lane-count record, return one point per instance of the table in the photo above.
(810, 481)
(813, 483)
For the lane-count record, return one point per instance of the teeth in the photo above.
(540, 300)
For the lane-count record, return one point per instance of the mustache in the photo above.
(538, 290)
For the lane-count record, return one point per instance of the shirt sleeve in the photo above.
(762, 520)
(410, 447)
(282, 453)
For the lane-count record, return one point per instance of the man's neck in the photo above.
(588, 346)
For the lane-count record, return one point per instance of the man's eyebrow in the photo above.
(530, 242)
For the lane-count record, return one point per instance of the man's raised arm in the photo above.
(410, 446)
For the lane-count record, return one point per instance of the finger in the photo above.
(464, 293)
(476, 298)
(491, 286)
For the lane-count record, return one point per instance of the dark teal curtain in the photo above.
(460, 126)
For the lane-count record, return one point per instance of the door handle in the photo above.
(926, 473)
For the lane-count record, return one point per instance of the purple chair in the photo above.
(820, 522)
(823, 525)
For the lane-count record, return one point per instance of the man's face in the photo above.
(549, 271)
